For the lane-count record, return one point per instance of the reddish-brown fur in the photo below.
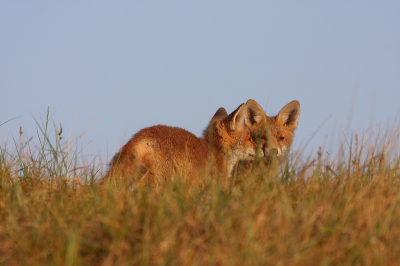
(161, 152)
(275, 133)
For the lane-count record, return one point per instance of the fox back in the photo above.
(161, 152)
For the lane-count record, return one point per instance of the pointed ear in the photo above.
(219, 115)
(289, 115)
(255, 115)
(237, 118)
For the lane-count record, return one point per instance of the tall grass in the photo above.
(327, 210)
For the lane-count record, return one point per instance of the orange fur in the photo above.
(161, 152)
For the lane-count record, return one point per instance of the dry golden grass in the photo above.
(326, 211)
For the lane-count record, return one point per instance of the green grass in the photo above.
(327, 210)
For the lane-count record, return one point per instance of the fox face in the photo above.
(230, 134)
(159, 152)
(274, 134)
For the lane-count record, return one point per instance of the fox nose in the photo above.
(270, 152)
(274, 152)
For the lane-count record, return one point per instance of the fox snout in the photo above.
(271, 149)
(258, 152)
(251, 152)
(272, 152)
(270, 146)
(255, 149)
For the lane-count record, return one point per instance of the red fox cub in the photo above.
(160, 152)
(275, 133)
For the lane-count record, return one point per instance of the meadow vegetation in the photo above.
(344, 209)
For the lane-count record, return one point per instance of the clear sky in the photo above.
(108, 69)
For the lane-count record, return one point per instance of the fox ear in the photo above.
(237, 118)
(289, 115)
(255, 115)
(220, 114)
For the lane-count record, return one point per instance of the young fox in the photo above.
(160, 152)
(275, 133)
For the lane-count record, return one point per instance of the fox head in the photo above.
(229, 133)
(274, 134)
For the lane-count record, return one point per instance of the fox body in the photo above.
(160, 152)
(275, 134)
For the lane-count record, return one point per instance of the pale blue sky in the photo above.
(126, 65)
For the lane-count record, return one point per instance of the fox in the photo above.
(160, 152)
(275, 134)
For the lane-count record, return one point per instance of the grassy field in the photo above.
(327, 210)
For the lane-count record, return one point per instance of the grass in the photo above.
(327, 210)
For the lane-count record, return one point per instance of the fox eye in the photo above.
(281, 138)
